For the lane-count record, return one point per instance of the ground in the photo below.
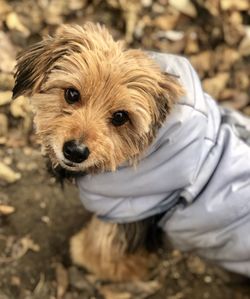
(35, 263)
(37, 215)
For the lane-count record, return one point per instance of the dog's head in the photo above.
(97, 104)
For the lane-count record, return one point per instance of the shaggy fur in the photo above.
(109, 78)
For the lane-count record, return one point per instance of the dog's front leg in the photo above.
(104, 249)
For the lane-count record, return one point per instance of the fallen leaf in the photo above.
(109, 293)
(15, 281)
(192, 45)
(179, 295)
(196, 265)
(4, 7)
(80, 281)
(3, 140)
(244, 47)
(62, 280)
(5, 97)
(148, 287)
(19, 249)
(166, 22)
(202, 62)
(7, 174)
(3, 125)
(240, 101)
(246, 110)
(241, 80)
(227, 94)
(20, 107)
(76, 4)
(233, 33)
(213, 6)
(6, 79)
(184, 6)
(225, 57)
(6, 209)
(174, 35)
(13, 23)
(215, 85)
(29, 244)
(54, 10)
(237, 5)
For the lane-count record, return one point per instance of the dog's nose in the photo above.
(75, 152)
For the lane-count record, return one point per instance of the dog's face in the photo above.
(97, 105)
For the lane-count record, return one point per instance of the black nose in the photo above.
(75, 152)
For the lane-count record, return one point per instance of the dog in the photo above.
(101, 111)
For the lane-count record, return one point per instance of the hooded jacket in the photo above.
(196, 172)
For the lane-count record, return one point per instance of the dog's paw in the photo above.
(109, 264)
(77, 249)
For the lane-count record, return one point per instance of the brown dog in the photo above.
(97, 105)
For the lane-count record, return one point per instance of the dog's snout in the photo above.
(75, 152)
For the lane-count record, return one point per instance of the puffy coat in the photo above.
(197, 171)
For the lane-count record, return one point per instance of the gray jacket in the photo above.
(197, 171)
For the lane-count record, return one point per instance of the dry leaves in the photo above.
(7, 174)
(6, 209)
(215, 85)
(232, 4)
(184, 6)
(13, 22)
(5, 97)
(3, 125)
(18, 249)
(7, 53)
(20, 107)
(62, 280)
(138, 289)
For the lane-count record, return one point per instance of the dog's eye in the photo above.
(71, 95)
(119, 118)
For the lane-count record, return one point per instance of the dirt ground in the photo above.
(37, 216)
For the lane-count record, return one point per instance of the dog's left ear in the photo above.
(169, 92)
(32, 65)
(35, 62)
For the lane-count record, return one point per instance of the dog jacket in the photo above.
(196, 172)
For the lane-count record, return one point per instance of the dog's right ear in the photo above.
(32, 66)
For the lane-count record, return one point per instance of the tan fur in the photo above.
(109, 78)
(97, 248)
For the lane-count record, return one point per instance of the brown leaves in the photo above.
(6, 209)
(5, 97)
(216, 84)
(62, 281)
(18, 248)
(7, 174)
(13, 22)
(232, 4)
(7, 54)
(214, 34)
(139, 290)
(184, 6)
